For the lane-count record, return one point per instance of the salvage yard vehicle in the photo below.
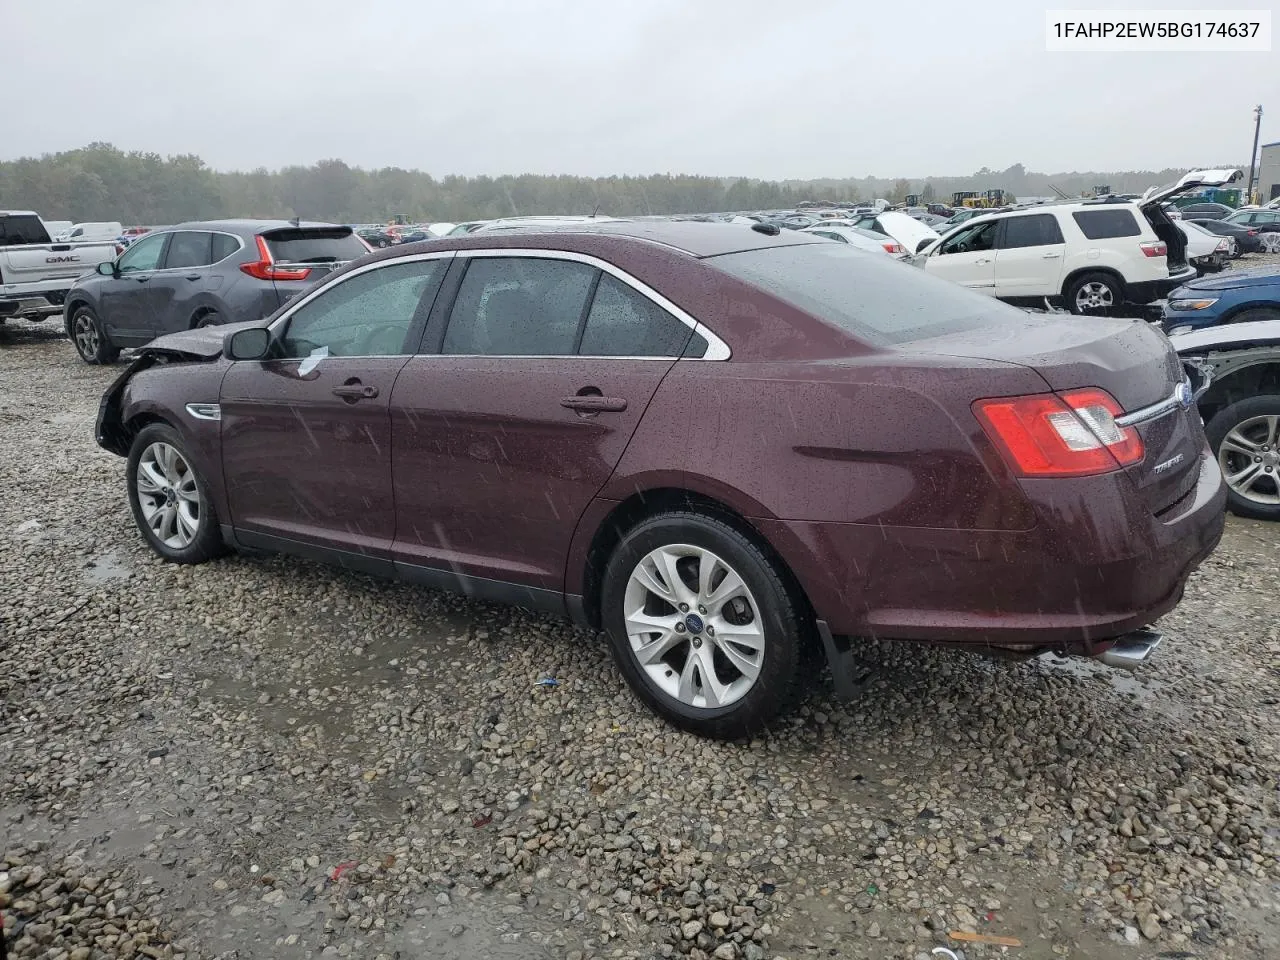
(1246, 238)
(857, 237)
(35, 272)
(1092, 256)
(1242, 296)
(1206, 252)
(198, 275)
(908, 231)
(726, 446)
(1241, 408)
(1265, 222)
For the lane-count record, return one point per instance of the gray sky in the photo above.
(801, 89)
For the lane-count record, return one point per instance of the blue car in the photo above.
(1236, 297)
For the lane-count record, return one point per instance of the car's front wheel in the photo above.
(169, 499)
(703, 625)
(92, 342)
(1245, 437)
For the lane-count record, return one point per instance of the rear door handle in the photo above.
(1050, 256)
(351, 392)
(591, 403)
(983, 260)
(193, 276)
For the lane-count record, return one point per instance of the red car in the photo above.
(724, 445)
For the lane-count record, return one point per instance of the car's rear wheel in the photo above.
(207, 318)
(703, 625)
(1244, 436)
(1270, 242)
(92, 342)
(169, 499)
(1096, 294)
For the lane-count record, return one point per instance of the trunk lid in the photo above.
(1160, 221)
(1130, 360)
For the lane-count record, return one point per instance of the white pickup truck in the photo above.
(35, 272)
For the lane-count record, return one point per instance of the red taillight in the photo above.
(1155, 248)
(1253, 233)
(894, 248)
(266, 268)
(1071, 435)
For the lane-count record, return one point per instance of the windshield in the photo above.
(877, 299)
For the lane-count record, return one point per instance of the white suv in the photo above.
(1089, 255)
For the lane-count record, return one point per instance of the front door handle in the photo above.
(354, 390)
(593, 403)
(142, 279)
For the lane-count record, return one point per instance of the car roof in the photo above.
(250, 226)
(696, 238)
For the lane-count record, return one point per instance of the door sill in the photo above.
(476, 588)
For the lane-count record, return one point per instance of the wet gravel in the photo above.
(267, 758)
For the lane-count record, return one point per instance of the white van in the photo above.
(108, 230)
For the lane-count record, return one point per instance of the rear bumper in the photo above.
(34, 305)
(1106, 566)
(1143, 292)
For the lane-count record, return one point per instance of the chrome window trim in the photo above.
(1159, 409)
(717, 349)
(306, 298)
(204, 266)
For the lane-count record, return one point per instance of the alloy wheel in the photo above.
(1270, 242)
(86, 334)
(168, 495)
(1249, 460)
(1094, 296)
(694, 627)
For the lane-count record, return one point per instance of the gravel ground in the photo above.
(266, 758)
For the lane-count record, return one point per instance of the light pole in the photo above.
(1257, 127)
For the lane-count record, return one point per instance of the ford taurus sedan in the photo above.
(726, 446)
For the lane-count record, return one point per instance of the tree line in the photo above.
(101, 182)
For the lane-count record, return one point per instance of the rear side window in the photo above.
(224, 245)
(15, 231)
(1100, 224)
(623, 323)
(314, 245)
(877, 299)
(519, 306)
(1039, 230)
(188, 248)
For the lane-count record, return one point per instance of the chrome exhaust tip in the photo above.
(1131, 650)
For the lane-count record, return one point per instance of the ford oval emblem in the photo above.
(693, 623)
(1186, 396)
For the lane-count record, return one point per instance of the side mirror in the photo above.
(251, 344)
(107, 268)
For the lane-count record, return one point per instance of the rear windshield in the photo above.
(15, 231)
(1097, 224)
(875, 298)
(314, 245)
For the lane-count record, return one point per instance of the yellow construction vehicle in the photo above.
(966, 198)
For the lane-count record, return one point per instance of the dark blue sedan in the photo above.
(1238, 297)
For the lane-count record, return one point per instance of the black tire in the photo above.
(1114, 292)
(788, 629)
(1239, 415)
(206, 543)
(1255, 313)
(207, 318)
(89, 337)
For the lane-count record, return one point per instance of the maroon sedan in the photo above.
(722, 445)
